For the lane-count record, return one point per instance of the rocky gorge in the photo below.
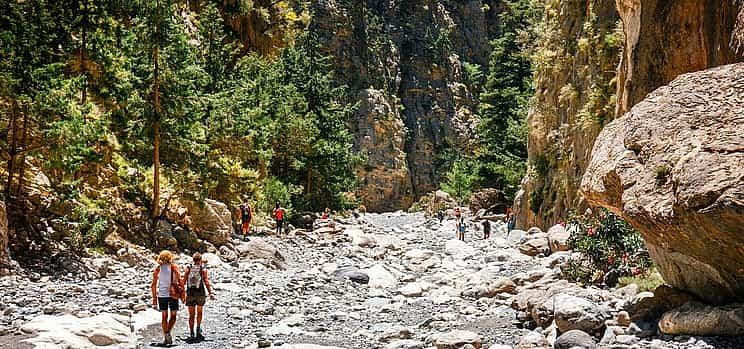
(392, 280)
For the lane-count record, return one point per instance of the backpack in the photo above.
(195, 279)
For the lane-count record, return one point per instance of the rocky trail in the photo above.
(386, 281)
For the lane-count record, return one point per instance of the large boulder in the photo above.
(558, 237)
(491, 200)
(457, 339)
(701, 320)
(672, 167)
(575, 313)
(575, 339)
(211, 219)
(263, 252)
(68, 331)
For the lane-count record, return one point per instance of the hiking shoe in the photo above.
(199, 335)
(168, 339)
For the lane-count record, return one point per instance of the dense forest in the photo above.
(112, 110)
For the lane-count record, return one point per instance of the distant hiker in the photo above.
(246, 216)
(461, 229)
(326, 214)
(509, 221)
(440, 216)
(197, 285)
(279, 217)
(166, 291)
(362, 209)
(458, 213)
(486, 229)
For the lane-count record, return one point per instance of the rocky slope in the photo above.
(662, 39)
(403, 62)
(672, 167)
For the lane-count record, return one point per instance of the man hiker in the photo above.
(440, 216)
(197, 286)
(246, 216)
(279, 217)
(461, 229)
(166, 291)
(486, 229)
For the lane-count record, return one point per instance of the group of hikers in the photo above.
(246, 218)
(168, 287)
(461, 227)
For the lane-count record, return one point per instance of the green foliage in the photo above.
(610, 248)
(88, 81)
(647, 282)
(83, 232)
(661, 172)
(460, 180)
(500, 160)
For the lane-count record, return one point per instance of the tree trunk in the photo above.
(156, 142)
(12, 130)
(21, 177)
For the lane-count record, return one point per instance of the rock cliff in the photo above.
(674, 168)
(575, 61)
(403, 62)
(662, 39)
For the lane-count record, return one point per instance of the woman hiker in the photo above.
(197, 285)
(166, 291)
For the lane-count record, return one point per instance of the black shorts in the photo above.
(167, 303)
(193, 300)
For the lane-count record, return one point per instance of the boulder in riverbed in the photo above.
(457, 339)
(672, 167)
(702, 320)
(211, 220)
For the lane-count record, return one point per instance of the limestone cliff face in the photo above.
(662, 39)
(403, 62)
(575, 61)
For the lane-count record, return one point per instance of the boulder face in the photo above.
(674, 168)
(211, 219)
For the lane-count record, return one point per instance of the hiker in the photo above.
(246, 216)
(461, 229)
(458, 213)
(440, 216)
(326, 214)
(486, 229)
(279, 217)
(197, 285)
(509, 221)
(166, 291)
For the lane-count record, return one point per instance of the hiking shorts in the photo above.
(167, 303)
(246, 227)
(193, 300)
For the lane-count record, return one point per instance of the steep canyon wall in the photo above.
(661, 40)
(403, 63)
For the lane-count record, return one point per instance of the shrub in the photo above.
(661, 172)
(83, 233)
(609, 247)
(646, 282)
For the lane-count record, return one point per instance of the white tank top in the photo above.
(164, 281)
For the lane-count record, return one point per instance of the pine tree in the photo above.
(502, 152)
(171, 78)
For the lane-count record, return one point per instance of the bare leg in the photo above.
(192, 314)
(199, 315)
(164, 321)
(172, 321)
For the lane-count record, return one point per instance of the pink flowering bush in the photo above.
(610, 248)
